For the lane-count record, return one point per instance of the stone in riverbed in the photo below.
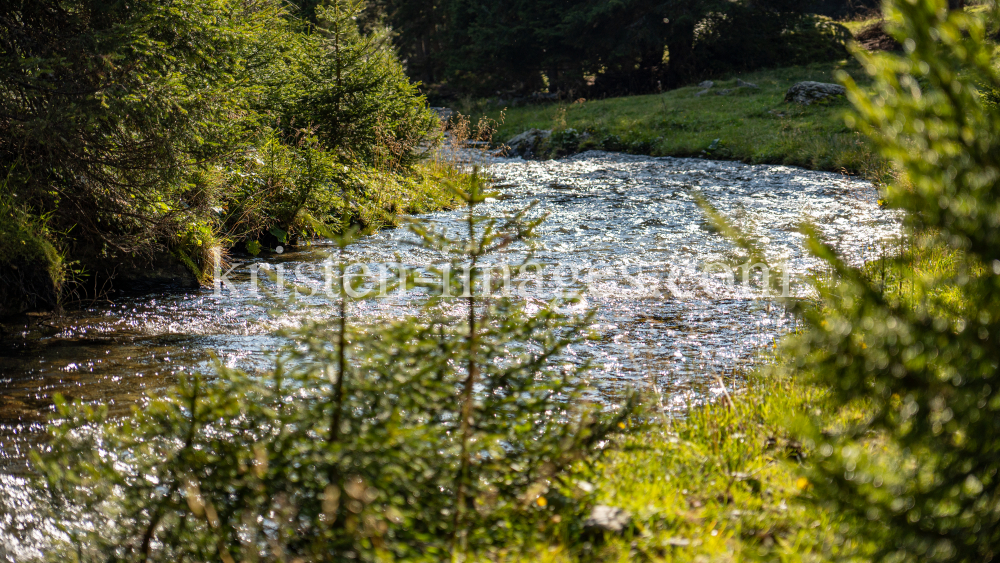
(527, 143)
(808, 92)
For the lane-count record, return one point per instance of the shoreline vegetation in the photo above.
(750, 124)
(736, 115)
(152, 139)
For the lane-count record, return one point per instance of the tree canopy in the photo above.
(121, 121)
(594, 46)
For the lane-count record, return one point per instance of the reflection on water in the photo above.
(631, 223)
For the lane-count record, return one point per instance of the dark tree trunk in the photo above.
(651, 71)
(680, 56)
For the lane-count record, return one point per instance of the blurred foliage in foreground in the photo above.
(426, 438)
(921, 467)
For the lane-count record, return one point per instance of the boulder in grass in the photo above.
(607, 519)
(808, 92)
(526, 144)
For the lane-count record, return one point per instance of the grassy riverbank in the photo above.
(751, 125)
(727, 482)
(723, 483)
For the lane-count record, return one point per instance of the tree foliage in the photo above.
(120, 120)
(597, 47)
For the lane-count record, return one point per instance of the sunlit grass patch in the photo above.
(751, 125)
(725, 482)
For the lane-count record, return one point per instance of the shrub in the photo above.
(611, 143)
(920, 368)
(124, 129)
(432, 435)
(563, 141)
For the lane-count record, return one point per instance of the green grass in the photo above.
(753, 126)
(724, 483)
(721, 484)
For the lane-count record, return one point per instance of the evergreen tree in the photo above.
(106, 108)
(128, 126)
(596, 47)
(920, 463)
(431, 436)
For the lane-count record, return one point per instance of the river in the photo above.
(625, 232)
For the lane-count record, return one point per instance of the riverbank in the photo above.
(728, 480)
(220, 142)
(51, 276)
(728, 121)
(723, 482)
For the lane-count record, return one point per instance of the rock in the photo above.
(703, 92)
(27, 285)
(607, 519)
(744, 84)
(808, 92)
(725, 92)
(527, 143)
(706, 84)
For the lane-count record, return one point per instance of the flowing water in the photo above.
(624, 232)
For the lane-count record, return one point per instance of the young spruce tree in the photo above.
(430, 437)
(921, 464)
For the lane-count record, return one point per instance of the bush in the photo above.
(564, 141)
(611, 143)
(445, 433)
(127, 160)
(919, 369)
(35, 270)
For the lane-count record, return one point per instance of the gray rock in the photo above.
(702, 93)
(744, 84)
(527, 143)
(607, 519)
(706, 84)
(808, 92)
(725, 92)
